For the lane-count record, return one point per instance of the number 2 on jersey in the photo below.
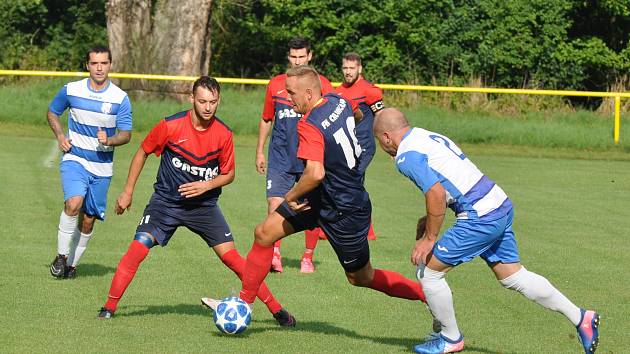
(442, 140)
(353, 150)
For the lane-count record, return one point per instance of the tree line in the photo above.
(560, 44)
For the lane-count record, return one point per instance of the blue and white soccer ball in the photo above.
(232, 315)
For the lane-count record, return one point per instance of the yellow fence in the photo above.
(617, 95)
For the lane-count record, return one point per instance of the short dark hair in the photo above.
(98, 48)
(352, 56)
(299, 43)
(207, 82)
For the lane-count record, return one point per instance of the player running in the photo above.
(197, 160)
(329, 194)
(284, 168)
(99, 119)
(483, 228)
(366, 100)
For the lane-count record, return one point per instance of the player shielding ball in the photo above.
(99, 119)
(484, 213)
(197, 160)
(329, 194)
(366, 100)
(283, 168)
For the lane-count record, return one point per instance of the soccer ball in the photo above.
(232, 315)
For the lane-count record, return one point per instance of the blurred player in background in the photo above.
(99, 119)
(366, 100)
(329, 194)
(197, 159)
(283, 168)
(483, 228)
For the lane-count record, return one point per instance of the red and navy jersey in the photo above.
(189, 155)
(364, 96)
(327, 135)
(284, 141)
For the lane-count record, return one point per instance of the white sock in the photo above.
(67, 225)
(538, 289)
(440, 301)
(73, 245)
(81, 246)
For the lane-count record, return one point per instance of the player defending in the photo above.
(329, 194)
(284, 168)
(197, 160)
(483, 228)
(98, 120)
(366, 100)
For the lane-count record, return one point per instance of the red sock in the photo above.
(256, 269)
(321, 234)
(233, 260)
(396, 285)
(312, 236)
(371, 233)
(308, 254)
(125, 272)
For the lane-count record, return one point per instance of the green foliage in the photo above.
(563, 44)
(49, 34)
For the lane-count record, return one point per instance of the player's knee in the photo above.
(358, 279)
(72, 206)
(145, 238)
(262, 235)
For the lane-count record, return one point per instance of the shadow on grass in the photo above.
(93, 270)
(318, 327)
(294, 263)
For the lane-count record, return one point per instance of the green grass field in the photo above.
(571, 222)
(569, 184)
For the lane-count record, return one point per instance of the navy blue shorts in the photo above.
(280, 182)
(347, 233)
(161, 218)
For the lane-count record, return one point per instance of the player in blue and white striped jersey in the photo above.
(483, 228)
(99, 119)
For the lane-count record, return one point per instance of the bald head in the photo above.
(390, 125)
(390, 120)
(303, 87)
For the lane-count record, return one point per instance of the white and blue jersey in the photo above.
(108, 109)
(426, 158)
(484, 212)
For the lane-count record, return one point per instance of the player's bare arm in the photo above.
(121, 138)
(311, 178)
(436, 208)
(264, 127)
(123, 202)
(55, 125)
(194, 189)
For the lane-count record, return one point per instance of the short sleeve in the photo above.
(311, 142)
(374, 98)
(123, 118)
(226, 158)
(156, 140)
(268, 111)
(415, 166)
(60, 101)
(326, 85)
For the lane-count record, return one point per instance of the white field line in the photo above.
(52, 156)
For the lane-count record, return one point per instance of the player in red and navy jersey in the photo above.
(329, 194)
(197, 159)
(366, 100)
(283, 168)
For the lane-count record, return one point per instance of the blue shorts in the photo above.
(161, 218)
(347, 234)
(280, 182)
(493, 240)
(77, 181)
